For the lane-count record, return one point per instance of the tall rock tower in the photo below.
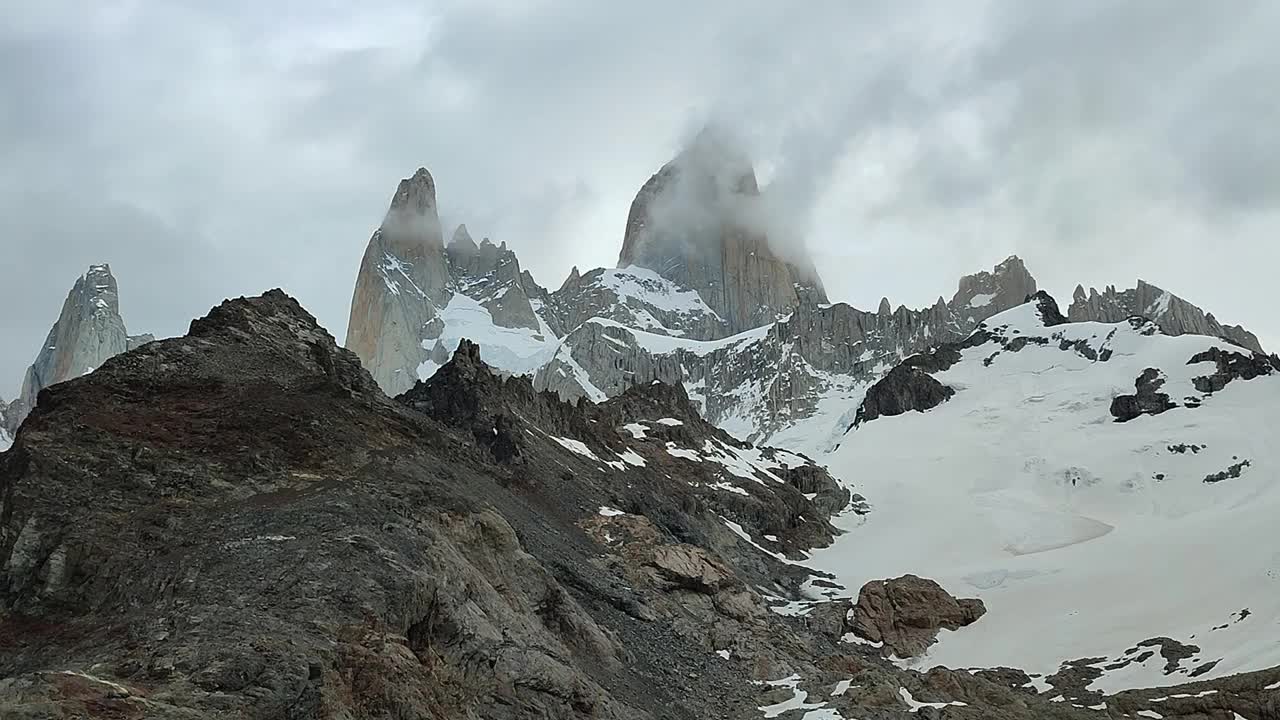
(89, 330)
(403, 280)
(700, 223)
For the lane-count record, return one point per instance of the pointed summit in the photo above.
(88, 332)
(462, 238)
(403, 277)
(699, 222)
(988, 293)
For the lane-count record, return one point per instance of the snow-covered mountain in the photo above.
(1109, 491)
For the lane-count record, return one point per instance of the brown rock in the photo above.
(906, 613)
(689, 567)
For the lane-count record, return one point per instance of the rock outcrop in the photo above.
(700, 222)
(88, 331)
(1174, 315)
(491, 275)
(905, 615)
(987, 293)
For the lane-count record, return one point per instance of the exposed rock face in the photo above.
(638, 298)
(770, 378)
(1232, 366)
(491, 274)
(6, 438)
(700, 223)
(906, 614)
(1174, 315)
(89, 330)
(403, 279)
(987, 293)
(408, 282)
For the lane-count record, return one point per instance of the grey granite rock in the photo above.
(408, 277)
(88, 331)
(987, 293)
(1174, 315)
(403, 279)
(700, 221)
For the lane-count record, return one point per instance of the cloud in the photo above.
(907, 142)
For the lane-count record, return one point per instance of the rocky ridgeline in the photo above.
(1174, 315)
(88, 331)
(773, 377)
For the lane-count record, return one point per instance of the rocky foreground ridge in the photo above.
(239, 523)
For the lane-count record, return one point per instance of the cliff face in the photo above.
(700, 223)
(1174, 315)
(415, 297)
(402, 280)
(89, 330)
(987, 293)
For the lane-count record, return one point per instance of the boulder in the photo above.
(905, 614)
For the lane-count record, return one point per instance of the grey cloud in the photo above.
(904, 142)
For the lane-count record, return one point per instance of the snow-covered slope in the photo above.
(1084, 535)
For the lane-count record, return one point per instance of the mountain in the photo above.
(88, 331)
(791, 380)
(1174, 315)
(401, 283)
(701, 223)
(239, 523)
(414, 297)
(1102, 487)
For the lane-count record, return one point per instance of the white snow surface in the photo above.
(981, 300)
(519, 351)
(6, 442)
(1082, 535)
(575, 446)
(647, 286)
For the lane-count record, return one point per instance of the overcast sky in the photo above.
(213, 149)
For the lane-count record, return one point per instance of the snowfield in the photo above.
(1084, 536)
(519, 351)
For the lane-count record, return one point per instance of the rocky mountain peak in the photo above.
(88, 331)
(415, 194)
(700, 222)
(984, 294)
(461, 240)
(403, 278)
(1174, 315)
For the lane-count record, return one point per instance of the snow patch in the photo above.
(575, 446)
